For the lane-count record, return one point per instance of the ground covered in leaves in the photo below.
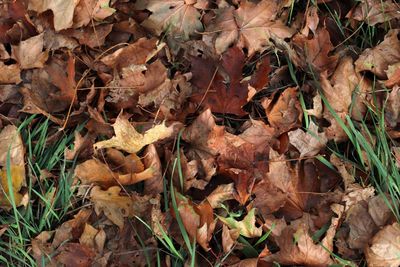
(199, 133)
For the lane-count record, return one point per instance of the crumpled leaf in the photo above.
(63, 11)
(229, 238)
(375, 11)
(298, 248)
(315, 52)
(117, 207)
(308, 143)
(378, 58)
(29, 53)
(198, 219)
(94, 171)
(246, 227)
(220, 194)
(251, 26)
(179, 17)
(385, 247)
(128, 139)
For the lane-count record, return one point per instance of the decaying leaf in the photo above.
(117, 207)
(229, 238)
(310, 143)
(91, 9)
(246, 227)
(128, 139)
(10, 73)
(378, 58)
(385, 247)
(375, 11)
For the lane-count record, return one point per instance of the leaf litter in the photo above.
(210, 132)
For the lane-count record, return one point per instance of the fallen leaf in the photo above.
(379, 58)
(251, 26)
(94, 171)
(90, 36)
(155, 184)
(75, 254)
(128, 139)
(117, 207)
(63, 11)
(29, 53)
(220, 194)
(246, 227)
(286, 113)
(298, 248)
(10, 73)
(315, 52)
(12, 153)
(229, 238)
(374, 11)
(180, 18)
(385, 247)
(392, 111)
(308, 143)
(88, 10)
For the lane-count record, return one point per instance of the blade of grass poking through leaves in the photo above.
(265, 236)
(176, 211)
(178, 148)
(248, 250)
(11, 197)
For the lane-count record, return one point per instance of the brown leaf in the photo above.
(88, 10)
(63, 11)
(298, 248)
(378, 58)
(220, 84)
(179, 17)
(155, 184)
(90, 36)
(251, 26)
(117, 207)
(29, 53)
(308, 143)
(286, 113)
(374, 11)
(392, 111)
(220, 194)
(94, 171)
(315, 52)
(10, 73)
(229, 238)
(74, 254)
(385, 247)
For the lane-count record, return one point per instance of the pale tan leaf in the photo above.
(128, 139)
(29, 53)
(308, 143)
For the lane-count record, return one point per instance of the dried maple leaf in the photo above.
(63, 11)
(314, 52)
(91, 36)
(378, 58)
(179, 17)
(75, 254)
(246, 227)
(251, 26)
(220, 84)
(308, 143)
(128, 139)
(375, 11)
(385, 247)
(29, 53)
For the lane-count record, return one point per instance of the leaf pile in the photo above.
(208, 124)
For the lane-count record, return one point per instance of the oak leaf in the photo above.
(128, 139)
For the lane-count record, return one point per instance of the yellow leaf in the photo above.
(128, 139)
(17, 176)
